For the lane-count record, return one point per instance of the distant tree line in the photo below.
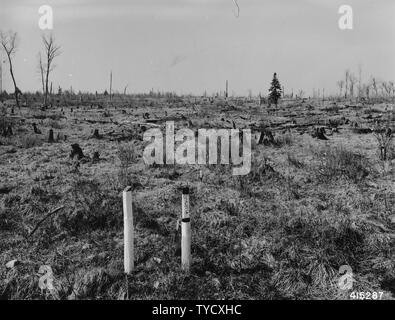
(352, 86)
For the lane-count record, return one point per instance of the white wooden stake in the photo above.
(185, 232)
(128, 232)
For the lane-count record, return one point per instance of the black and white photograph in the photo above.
(216, 152)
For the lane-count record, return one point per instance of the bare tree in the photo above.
(353, 80)
(9, 43)
(367, 89)
(340, 84)
(375, 86)
(51, 52)
(359, 81)
(387, 86)
(111, 85)
(41, 70)
(347, 76)
(392, 88)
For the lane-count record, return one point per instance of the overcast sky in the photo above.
(195, 45)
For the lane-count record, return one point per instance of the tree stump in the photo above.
(319, 133)
(335, 130)
(5, 189)
(76, 152)
(50, 136)
(9, 130)
(36, 130)
(266, 137)
(96, 134)
(96, 157)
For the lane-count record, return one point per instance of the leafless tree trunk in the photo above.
(340, 84)
(111, 86)
(374, 85)
(347, 76)
(51, 52)
(359, 81)
(353, 81)
(388, 88)
(41, 70)
(9, 45)
(392, 89)
(367, 90)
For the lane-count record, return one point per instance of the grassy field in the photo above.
(308, 206)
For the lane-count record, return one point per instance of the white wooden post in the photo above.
(128, 231)
(185, 232)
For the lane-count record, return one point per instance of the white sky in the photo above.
(195, 45)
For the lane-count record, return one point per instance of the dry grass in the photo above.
(281, 232)
(30, 141)
(338, 162)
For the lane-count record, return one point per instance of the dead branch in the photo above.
(45, 218)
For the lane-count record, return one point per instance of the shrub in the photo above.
(127, 155)
(283, 140)
(53, 124)
(92, 208)
(294, 161)
(30, 142)
(5, 123)
(337, 162)
(384, 136)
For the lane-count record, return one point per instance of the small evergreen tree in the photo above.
(275, 90)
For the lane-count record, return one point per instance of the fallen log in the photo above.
(77, 151)
(45, 218)
(319, 133)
